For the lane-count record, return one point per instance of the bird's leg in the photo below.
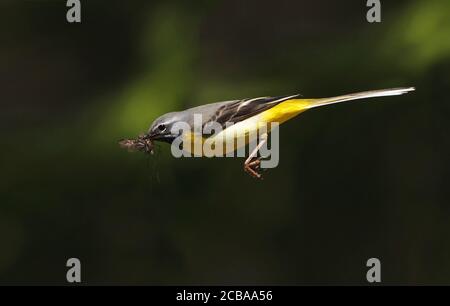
(251, 166)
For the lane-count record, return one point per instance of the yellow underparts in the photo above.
(285, 110)
(238, 134)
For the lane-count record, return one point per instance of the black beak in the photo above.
(164, 137)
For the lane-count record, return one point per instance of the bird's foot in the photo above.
(252, 168)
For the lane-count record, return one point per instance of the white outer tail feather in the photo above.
(361, 95)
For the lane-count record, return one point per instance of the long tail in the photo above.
(360, 95)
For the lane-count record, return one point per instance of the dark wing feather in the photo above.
(240, 110)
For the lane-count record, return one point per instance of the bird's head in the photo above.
(161, 128)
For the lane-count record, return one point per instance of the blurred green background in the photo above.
(355, 180)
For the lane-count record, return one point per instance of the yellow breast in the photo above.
(239, 133)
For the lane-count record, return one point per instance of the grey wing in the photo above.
(239, 110)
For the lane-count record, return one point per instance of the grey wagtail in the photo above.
(239, 118)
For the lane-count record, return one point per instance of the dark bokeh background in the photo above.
(356, 180)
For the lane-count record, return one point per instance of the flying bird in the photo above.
(239, 118)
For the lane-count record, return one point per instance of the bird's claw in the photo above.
(252, 168)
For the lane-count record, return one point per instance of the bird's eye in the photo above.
(161, 127)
